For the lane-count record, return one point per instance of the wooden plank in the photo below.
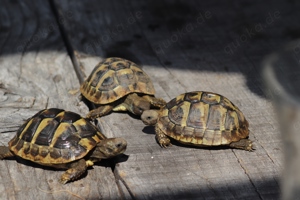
(36, 73)
(187, 46)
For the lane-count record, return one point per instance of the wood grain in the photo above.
(186, 46)
(183, 46)
(36, 73)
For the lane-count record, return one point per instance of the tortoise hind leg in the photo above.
(99, 112)
(156, 102)
(5, 152)
(245, 144)
(75, 171)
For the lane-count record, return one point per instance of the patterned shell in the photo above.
(203, 118)
(55, 136)
(114, 78)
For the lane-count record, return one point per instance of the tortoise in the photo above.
(118, 84)
(62, 139)
(202, 119)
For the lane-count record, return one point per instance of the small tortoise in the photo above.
(117, 84)
(62, 139)
(200, 119)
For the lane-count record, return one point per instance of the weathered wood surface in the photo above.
(187, 46)
(36, 73)
(183, 46)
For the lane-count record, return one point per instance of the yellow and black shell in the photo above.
(203, 119)
(114, 78)
(55, 136)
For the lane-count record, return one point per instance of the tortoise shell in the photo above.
(203, 118)
(114, 78)
(55, 136)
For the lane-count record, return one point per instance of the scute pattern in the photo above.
(45, 136)
(203, 118)
(55, 136)
(198, 115)
(114, 78)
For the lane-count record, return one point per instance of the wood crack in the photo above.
(246, 172)
(57, 13)
(120, 179)
(80, 75)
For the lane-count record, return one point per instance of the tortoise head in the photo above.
(110, 147)
(150, 117)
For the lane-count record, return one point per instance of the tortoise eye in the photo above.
(118, 145)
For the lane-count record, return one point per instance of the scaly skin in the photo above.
(133, 103)
(100, 111)
(161, 138)
(156, 102)
(245, 144)
(5, 152)
(74, 172)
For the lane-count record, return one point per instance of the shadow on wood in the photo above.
(182, 46)
(162, 30)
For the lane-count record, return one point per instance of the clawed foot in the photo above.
(76, 170)
(160, 103)
(250, 146)
(92, 115)
(5, 152)
(63, 180)
(69, 175)
(156, 102)
(245, 144)
(99, 112)
(161, 138)
(163, 142)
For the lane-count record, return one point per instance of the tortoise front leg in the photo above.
(5, 152)
(99, 112)
(156, 102)
(161, 138)
(75, 171)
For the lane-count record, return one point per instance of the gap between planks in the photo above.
(81, 76)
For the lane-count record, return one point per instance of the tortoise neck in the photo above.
(132, 97)
(97, 155)
(136, 104)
